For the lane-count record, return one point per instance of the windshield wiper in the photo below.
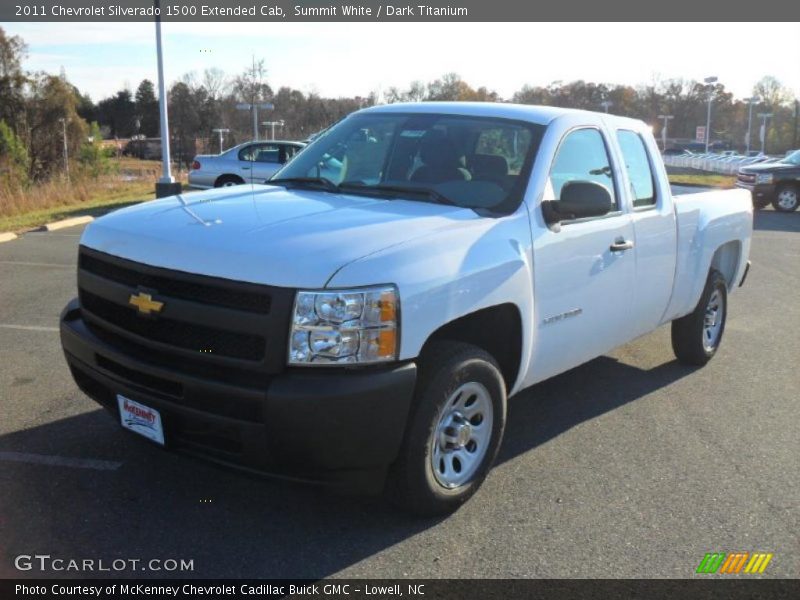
(305, 182)
(395, 191)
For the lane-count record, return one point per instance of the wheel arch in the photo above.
(496, 329)
(726, 260)
(224, 176)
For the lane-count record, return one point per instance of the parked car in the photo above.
(252, 162)
(371, 328)
(773, 182)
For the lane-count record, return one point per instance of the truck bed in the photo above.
(710, 227)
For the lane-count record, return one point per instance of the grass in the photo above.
(23, 208)
(94, 206)
(704, 179)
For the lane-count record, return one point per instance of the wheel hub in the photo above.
(457, 433)
(712, 322)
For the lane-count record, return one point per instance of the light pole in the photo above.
(750, 101)
(664, 131)
(220, 132)
(273, 124)
(709, 81)
(764, 117)
(606, 104)
(166, 185)
(254, 107)
(66, 154)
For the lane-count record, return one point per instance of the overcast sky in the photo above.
(349, 59)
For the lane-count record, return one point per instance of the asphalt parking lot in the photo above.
(629, 466)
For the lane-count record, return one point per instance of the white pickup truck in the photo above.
(364, 316)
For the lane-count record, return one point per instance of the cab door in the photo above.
(654, 225)
(583, 269)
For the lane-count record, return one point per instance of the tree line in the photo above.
(37, 109)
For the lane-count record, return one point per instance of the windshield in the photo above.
(471, 162)
(793, 158)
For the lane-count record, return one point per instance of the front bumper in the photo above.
(330, 426)
(761, 192)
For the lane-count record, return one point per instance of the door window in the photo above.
(263, 153)
(583, 156)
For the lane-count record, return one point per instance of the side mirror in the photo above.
(579, 199)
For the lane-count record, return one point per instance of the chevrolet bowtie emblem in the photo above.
(145, 303)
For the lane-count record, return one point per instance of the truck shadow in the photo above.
(162, 505)
(548, 409)
(771, 220)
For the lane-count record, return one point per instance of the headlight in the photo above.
(765, 178)
(335, 327)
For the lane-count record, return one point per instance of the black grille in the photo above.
(746, 177)
(152, 382)
(197, 367)
(189, 336)
(204, 293)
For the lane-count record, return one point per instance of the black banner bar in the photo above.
(728, 588)
(397, 11)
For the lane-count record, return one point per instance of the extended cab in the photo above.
(776, 182)
(364, 317)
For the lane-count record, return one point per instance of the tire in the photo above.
(228, 180)
(787, 198)
(760, 204)
(695, 338)
(454, 431)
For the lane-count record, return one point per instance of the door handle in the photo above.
(245, 168)
(620, 245)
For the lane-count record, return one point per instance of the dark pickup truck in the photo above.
(777, 183)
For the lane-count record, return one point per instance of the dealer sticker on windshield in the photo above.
(140, 419)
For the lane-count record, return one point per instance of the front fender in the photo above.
(451, 273)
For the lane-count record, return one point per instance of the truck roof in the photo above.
(523, 112)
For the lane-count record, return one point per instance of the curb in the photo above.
(67, 223)
(7, 236)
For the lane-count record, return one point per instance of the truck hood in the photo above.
(769, 168)
(266, 234)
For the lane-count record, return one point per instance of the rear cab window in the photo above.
(638, 167)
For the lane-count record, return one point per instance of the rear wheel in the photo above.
(228, 181)
(454, 431)
(786, 199)
(697, 336)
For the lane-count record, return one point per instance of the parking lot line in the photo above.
(27, 327)
(61, 461)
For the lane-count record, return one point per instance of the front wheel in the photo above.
(454, 431)
(697, 336)
(786, 199)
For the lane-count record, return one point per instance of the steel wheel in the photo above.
(461, 437)
(787, 199)
(714, 318)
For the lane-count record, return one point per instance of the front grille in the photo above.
(166, 360)
(151, 382)
(209, 327)
(188, 336)
(748, 178)
(205, 293)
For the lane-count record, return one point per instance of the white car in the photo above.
(369, 329)
(252, 162)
